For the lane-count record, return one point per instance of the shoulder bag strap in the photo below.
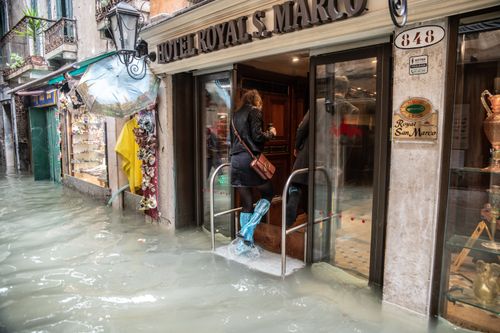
(241, 141)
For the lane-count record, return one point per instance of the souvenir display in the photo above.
(146, 139)
(88, 153)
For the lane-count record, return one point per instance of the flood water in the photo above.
(69, 264)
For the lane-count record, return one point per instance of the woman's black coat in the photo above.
(248, 122)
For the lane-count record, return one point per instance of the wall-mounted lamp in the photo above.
(124, 22)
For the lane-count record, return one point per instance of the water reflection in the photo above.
(68, 264)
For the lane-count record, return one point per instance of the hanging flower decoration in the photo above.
(145, 137)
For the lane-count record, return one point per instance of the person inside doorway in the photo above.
(213, 151)
(247, 134)
(338, 117)
(300, 182)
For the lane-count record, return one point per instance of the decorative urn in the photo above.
(492, 127)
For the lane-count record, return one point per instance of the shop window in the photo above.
(470, 282)
(88, 148)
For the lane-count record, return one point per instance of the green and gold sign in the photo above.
(415, 109)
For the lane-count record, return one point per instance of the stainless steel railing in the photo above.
(213, 215)
(284, 230)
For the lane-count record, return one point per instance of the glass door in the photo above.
(215, 107)
(350, 154)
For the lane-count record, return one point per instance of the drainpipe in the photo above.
(14, 127)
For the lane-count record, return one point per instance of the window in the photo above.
(471, 254)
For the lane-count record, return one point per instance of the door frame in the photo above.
(383, 114)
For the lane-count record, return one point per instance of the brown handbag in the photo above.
(260, 164)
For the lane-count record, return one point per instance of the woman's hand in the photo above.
(272, 130)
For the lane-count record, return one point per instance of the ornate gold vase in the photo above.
(492, 127)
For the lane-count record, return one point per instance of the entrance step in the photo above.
(268, 236)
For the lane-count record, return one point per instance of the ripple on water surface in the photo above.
(68, 264)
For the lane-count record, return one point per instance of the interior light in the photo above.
(295, 59)
(374, 61)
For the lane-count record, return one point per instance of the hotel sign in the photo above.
(286, 17)
(416, 121)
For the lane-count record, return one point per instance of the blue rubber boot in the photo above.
(244, 219)
(260, 210)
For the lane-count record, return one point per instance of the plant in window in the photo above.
(34, 27)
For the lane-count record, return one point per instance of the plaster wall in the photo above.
(167, 6)
(166, 180)
(112, 161)
(16, 10)
(414, 184)
(2, 143)
(90, 43)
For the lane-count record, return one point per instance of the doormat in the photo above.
(267, 262)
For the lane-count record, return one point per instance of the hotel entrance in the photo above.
(342, 99)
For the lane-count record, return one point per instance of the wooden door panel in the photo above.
(282, 165)
(277, 111)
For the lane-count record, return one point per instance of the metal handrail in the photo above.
(284, 196)
(212, 213)
(284, 230)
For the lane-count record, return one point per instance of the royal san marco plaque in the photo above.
(416, 121)
(282, 18)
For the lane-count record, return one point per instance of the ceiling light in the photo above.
(295, 59)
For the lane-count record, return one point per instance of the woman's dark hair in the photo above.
(251, 97)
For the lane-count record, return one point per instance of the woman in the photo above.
(246, 126)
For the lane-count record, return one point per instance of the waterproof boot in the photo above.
(244, 218)
(259, 211)
(292, 204)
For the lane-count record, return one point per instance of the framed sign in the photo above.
(419, 65)
(45, 99)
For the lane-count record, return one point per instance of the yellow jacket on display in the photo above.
(127, 148)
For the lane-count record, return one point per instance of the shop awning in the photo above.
(81, 67)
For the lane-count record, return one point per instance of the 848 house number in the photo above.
(419, 37)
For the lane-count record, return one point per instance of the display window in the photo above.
(470, 276)
(88, 147)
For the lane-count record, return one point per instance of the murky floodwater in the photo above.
(68, 264)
